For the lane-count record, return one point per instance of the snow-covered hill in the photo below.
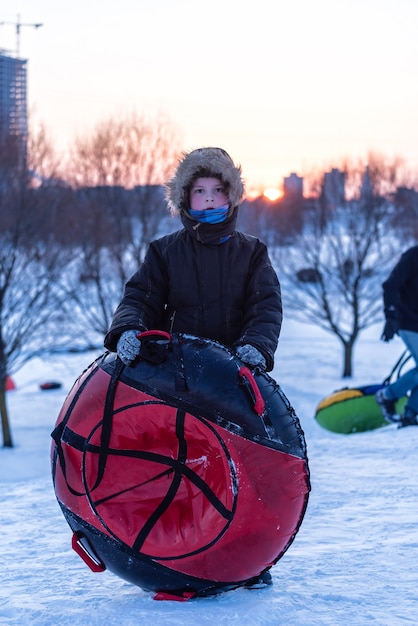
(353, 562)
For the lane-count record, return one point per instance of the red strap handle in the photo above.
(166, 595)
(259, 405)
(152, 333)
(80, 545)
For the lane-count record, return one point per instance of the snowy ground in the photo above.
(353, 562)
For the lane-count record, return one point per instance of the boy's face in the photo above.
(207, 193)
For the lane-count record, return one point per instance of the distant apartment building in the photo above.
(13, 104)
(293, 185)
(333, 189)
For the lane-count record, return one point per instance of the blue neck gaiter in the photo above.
(210, 216)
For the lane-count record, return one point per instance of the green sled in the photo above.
(349, 411)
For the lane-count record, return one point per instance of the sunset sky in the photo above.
(282, 86)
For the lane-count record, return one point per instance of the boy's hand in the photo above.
(250, 355)
(391, 328)
(128, 346)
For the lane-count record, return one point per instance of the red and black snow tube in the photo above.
(185, 474)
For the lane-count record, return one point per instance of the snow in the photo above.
(353, 560)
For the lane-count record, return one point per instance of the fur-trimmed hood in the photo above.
(213, 162)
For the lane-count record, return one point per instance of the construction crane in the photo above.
(18, 25)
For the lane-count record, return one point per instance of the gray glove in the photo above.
(128, 346)
(250, 355)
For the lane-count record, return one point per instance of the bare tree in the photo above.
(332, 273)
(29, 268)
(43, 162)
(125, 151)
(117, 174)
(101, 260)
(129, 152)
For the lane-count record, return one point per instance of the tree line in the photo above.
(72, 233)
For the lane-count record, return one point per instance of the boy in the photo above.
(207, 279)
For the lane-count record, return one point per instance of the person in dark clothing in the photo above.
(400, 297)
(207, 279)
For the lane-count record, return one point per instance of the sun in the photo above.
(272, 193)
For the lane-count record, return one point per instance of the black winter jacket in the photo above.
(228, 292)
(400, 291)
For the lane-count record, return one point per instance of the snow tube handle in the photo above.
(154, 345)
(166, 595)
(80, 545)
(154, 333)
(250, 383)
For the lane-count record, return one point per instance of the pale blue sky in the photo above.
(283, 86)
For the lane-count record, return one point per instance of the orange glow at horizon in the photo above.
(272, 193)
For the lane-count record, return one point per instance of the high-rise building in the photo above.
(293, 185)
(333, 189)
(13, 104)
